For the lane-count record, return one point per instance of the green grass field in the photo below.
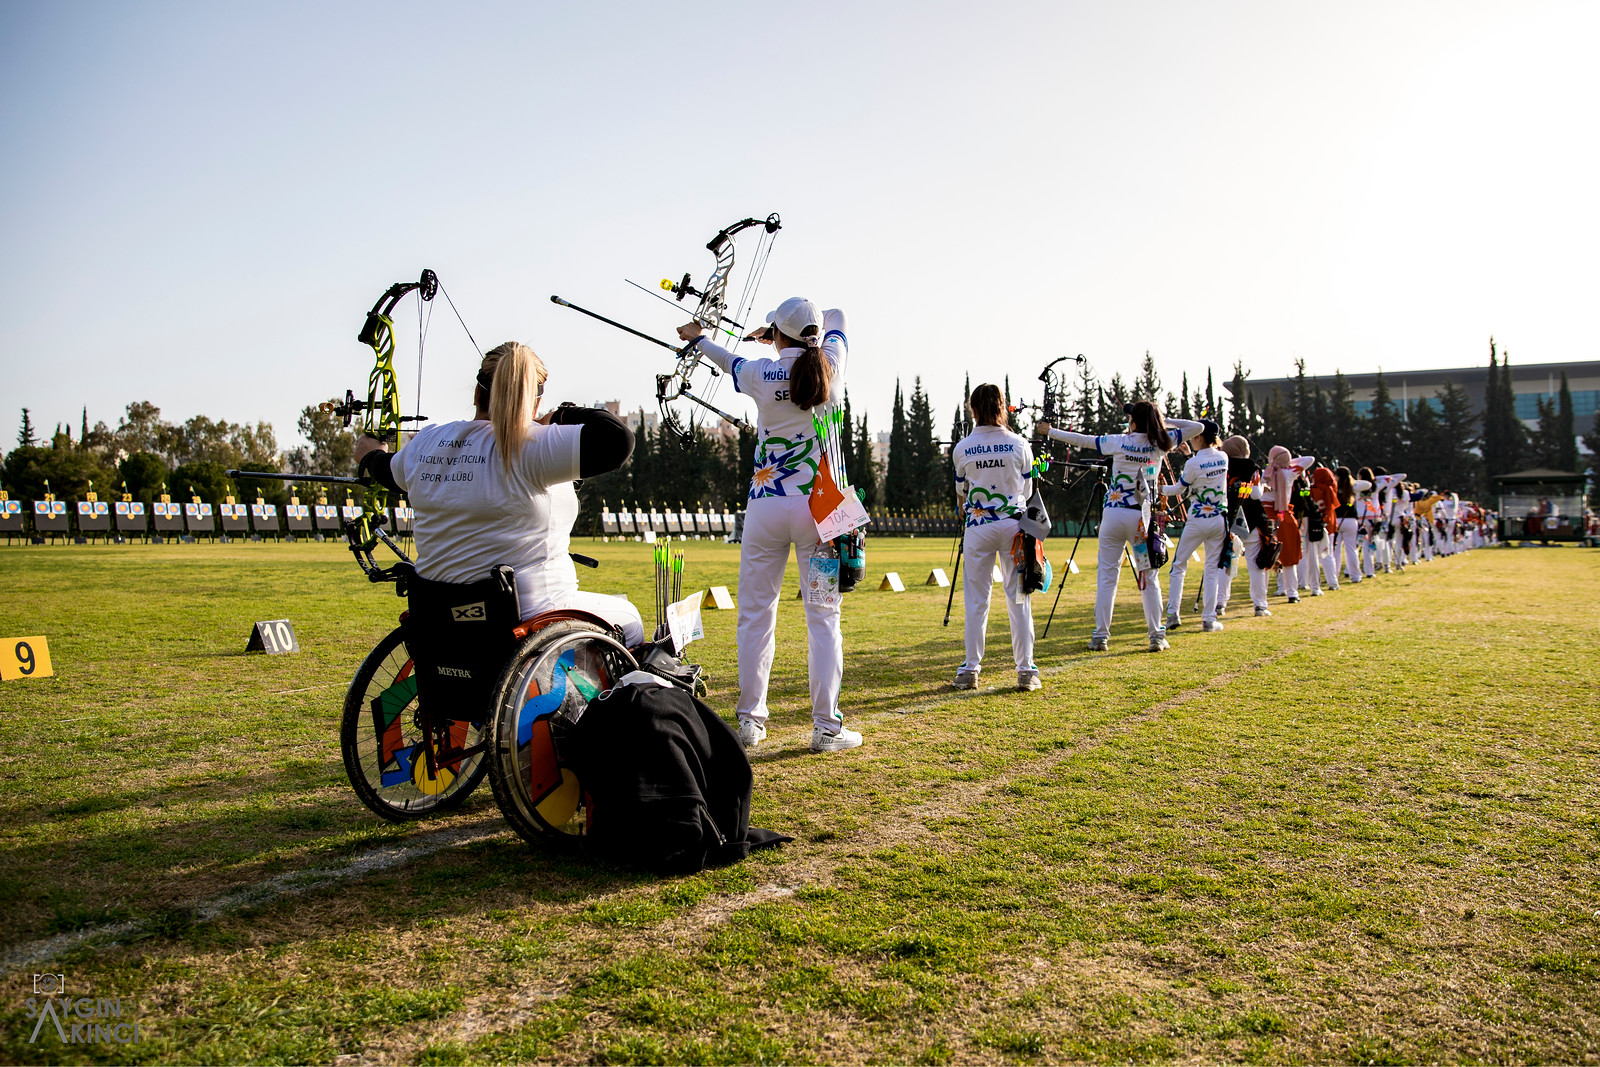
(1364, 830)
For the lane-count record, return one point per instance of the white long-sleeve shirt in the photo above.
(787, 453)
(994, 474)
(1134, 459)
(1205, 479)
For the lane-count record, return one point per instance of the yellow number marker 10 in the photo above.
(24, 657)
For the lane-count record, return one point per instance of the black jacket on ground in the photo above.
(668, 781)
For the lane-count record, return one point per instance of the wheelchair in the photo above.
(429, 713)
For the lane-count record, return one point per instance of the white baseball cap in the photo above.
(794, 315)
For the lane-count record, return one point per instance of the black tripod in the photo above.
(1098, 472)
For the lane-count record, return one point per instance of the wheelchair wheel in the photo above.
(543, 691)
(400, 769)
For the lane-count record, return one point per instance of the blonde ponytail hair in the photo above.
(515, 377)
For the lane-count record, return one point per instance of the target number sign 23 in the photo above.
(24, 657)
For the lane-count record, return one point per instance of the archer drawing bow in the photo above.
(678, 388)
(379, 415)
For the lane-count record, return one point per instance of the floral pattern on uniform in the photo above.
(985, 507)
(1208, 504)
(784, 468)
(1121, 491)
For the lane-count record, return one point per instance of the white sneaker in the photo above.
(966, 679)
(1262, 613)
(1173, 622)
(1158, 643)
(822, 741)
(1294, 600)
(1211, 627)
(751, 733)
(1318, 592)
(1099, 643)
(1028, 681)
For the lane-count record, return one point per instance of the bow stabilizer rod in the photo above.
(328, 478)
(613, 322)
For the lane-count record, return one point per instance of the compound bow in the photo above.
(378, 416)
(711, 313)
(1052, 408)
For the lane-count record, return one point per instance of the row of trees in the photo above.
(146, 452)
(1438, 440)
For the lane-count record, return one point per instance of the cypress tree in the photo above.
(1149, 386)
(1385, 431)
(1316, 428)
(1300, 408)
(1493, 439)
(926, 472)
(896, 482)
(1461, 472)
(1211, 399)
(26, 436)
(864, 465)
(1183, 398)
(1512, 434)
(1239, 417)
(1566, 452)
(1344, 432)
(1088, 391)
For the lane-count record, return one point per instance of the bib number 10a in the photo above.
(24, 657)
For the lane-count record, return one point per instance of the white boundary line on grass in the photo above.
(380, 858)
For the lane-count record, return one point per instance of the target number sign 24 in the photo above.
(24, 657)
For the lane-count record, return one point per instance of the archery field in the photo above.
(1366, 829)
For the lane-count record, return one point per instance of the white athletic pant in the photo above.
(1314, 554)
(1449, 537)
(1371, 546)
(1197, 532)
(771, 525)
(614, 609)
(1258, 577)
(1119, 528)
(980, 547)
(1349, 547)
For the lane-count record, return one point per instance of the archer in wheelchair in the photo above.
(499, 653)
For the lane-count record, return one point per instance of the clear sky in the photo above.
(199, 201)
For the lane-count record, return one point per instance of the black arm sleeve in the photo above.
(375, 465)
(606, 442)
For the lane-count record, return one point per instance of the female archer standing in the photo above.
(806, 372)
(1136, 457)
(1205, 479)
(994, 478)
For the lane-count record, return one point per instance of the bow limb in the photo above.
(379, 416)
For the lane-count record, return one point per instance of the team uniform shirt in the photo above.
(1134, 460)
(994, 474)
(1358, 486)
(787, 453)
(471, 517)
(1205, 479)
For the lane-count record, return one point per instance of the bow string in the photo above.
(714, 313)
